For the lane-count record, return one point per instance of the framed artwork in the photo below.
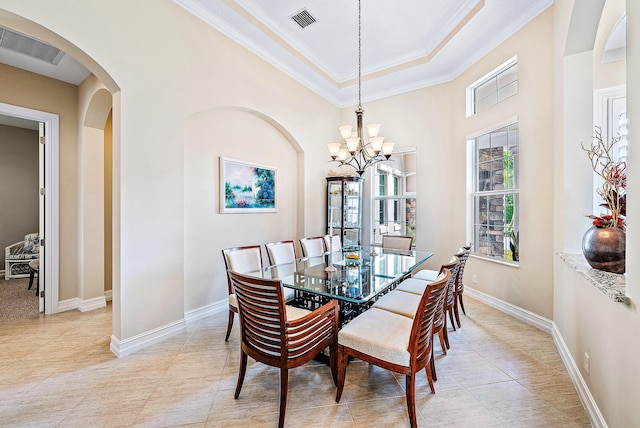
(247, 187)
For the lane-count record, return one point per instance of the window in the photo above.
(394, 205)
(494, 87)
(496, 207)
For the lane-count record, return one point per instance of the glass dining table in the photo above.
(359, 276)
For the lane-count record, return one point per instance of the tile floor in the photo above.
(57, 371)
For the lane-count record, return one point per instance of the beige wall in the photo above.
(586, 320)
(25, 89)
(18, 184)
(530, 285)
(192, 96)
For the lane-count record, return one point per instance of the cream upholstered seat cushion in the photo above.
(398, 302)
(233, 301)
(379, 333)
(410, 285)
(293, 312)
(426, 275)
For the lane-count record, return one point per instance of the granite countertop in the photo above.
(611, 284)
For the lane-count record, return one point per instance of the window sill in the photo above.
(611, 284)
(493, 260)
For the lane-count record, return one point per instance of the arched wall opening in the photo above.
(67, 244)
(249, 136)
(94, 186)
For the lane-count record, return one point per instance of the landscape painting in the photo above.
(246, 187)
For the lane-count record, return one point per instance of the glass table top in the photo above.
(358, 276)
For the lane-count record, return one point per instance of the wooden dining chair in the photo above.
(239, 259)
(459, 283)
(405, 302)
(270, 337)
(312, 247)
(397, 242)
(394, 342)
(280, 252)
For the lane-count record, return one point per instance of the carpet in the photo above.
(16, 302)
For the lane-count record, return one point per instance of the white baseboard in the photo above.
(148, 338)
(82, 305)
(205, 311)
(589, 403)
(68, 305)
(524, 315)
(108, 295)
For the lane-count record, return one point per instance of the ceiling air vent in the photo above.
(303, 18)
(28, 46)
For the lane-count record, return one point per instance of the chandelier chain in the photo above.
(359, 55)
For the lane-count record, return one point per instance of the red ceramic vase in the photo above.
(605, 248)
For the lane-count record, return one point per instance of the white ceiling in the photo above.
(406, 44)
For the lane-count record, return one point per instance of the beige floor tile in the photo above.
(58, 371)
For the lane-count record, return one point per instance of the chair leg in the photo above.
(411, 398)
(445, 333)
(229, 325)
(430, 368)
(456, 313)
(343, 360)
(461, 303)
(333, 361)
(31, 273)
(433, 368)
(284, 383)
(442, 343)
(241, 372)
(450, 310)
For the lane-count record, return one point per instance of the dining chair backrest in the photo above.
(267, 336)
(332, 243)
(242, 259)
(463, 261)
(280, 252)
(312, 247)
(420, 341)
(397, 242)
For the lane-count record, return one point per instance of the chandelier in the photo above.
(354, 151)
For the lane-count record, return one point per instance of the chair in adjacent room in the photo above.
(394, 342)
(239, 259)
(397, 242)
(312, 247)
(270, 336)
(280, 252)
(17, 256)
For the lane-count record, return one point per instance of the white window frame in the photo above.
(389, 184)
(471, 191)
(606, 115)
(493, 74)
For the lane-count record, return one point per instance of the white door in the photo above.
(41, 216)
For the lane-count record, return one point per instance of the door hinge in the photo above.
(42, 294)
(42, 242)
(43, 191)
(42, 140)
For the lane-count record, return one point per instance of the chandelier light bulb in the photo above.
(387, 149)
(352, 144)
(376, 144)
(343, 154)
(373, 129)
(334, 149)
(345, 131)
